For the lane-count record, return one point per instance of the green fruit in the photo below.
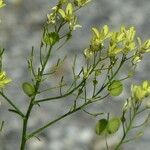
(28, 89)
(113, 125)
(115, 88)
(101, 126)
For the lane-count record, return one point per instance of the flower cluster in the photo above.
(65, 10)
(97, 41)
(139, 92)
(67, 14)
(99, 37)
(122, 41)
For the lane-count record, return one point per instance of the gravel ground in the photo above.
(21, 29)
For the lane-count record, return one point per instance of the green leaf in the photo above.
(113, 125)
(28, 89)
(101, 126)
(51, 38)
(115, 88)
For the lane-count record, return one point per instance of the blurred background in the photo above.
(20, 29)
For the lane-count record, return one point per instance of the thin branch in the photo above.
(12, 104)
(61, 117)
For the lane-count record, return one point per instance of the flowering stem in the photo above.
(76, 108)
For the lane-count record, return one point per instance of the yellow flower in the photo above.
(99, 37)
(117, 37)
(129, 33)
(146, 46)
(114, 50)
(2, 4)
(136, 59)
(3, 79)
(69, 16)
(68, 13)
(138, 92)
(122, 41)
(129, 42)
(141, 91)
(116, 45)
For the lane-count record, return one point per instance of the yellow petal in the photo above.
(105, 30)
(96, 32)
(62, 13)
(69, 9)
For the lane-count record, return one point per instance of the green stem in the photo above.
(25, 122)
(26, 118)
(127, 131)
(61, 96)
(56, 120)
